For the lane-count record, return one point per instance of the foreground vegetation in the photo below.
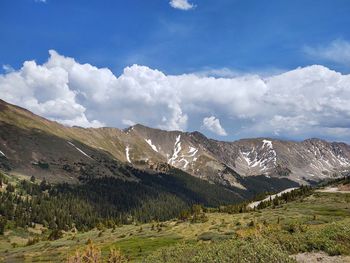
(104, 202)
(311, 222)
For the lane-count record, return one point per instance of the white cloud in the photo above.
(40, 1)
(7, 68)
(229, 73)
(181, 4)
(128, 122)
(219, 73)
(310, 101)
(73, 93)
(337, 51)
(45, 91)
(213, 124)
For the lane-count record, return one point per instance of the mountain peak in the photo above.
(148, 148)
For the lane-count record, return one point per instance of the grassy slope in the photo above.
(28, 137)
(39, 136)
(111, 140)
(303, 226)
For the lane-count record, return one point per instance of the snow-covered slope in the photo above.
(213, 160)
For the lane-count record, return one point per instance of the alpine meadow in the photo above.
(175, 131)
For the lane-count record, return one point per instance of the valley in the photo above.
(174, 131)
(150, 195)
(315, 222)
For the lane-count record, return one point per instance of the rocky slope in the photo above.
(32, 145)
(309, 160)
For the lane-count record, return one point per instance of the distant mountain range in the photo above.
(32, 145)
(217, 161)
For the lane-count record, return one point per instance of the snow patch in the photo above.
(245, 156)
(274, 154)
(343, 161)
(178, 159)
(256, 163)
(260, 158)
(252, 163)
(192, 149)
(192, 152)
(185, 161)
(178, 139)
(127, 154)
(154, 148)
(177, 149)
(79, 150)
(268, 143)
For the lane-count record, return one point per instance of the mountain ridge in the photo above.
(221, 162)
(255, 156)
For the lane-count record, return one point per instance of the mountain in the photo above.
(113, 171)
(217, 161)
(31, 145)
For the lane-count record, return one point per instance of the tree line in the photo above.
(106, 201)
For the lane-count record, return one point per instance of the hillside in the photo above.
(34, 146)
(309, 160)
(304, 225)
(63, 186)
(63, 178)
(28, 143)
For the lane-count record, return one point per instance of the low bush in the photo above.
(32, 241)
(332, 238)
(92, 254)
(208, 236)
(230, 251)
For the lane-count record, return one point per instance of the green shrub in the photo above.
(10, 188)
(43, 165)
(3, 222)
(231, 251)
(55, 234)
(207, 236)
(333, 238)
(32, 241)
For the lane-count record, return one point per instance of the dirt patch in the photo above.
(18, 240)
(270, 197)
(345, 189)
(320, 257)
(38, 229)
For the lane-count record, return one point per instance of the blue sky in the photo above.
(244, 35)
(260, 53)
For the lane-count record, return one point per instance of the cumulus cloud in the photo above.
(7, 68)
(128, 122)
(337, 51)
(305, 102)
(213, 124)
(181, 4)
(80, 94)
(45, 91)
